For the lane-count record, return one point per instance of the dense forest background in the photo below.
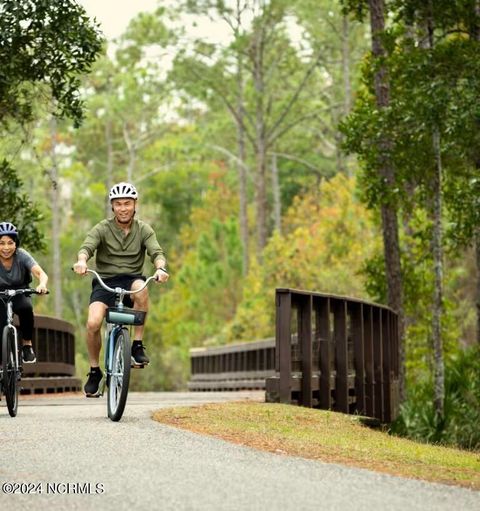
(329, 146)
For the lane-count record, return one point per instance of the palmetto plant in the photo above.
(459, 425)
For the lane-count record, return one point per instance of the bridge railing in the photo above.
(54, 370)
(330, 352)
(335, 352)
(233, 367)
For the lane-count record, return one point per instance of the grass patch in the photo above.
(326, 436)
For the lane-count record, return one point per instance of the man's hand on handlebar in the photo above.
(80, 267)
(161, 275)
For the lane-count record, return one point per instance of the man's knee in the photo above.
(140, 300)
(93, 325)
(96, 314)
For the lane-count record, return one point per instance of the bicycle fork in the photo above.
(109, 350)
(15, 339)
(15, 350)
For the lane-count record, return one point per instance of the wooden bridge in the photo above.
(330, 352)
(54, 370)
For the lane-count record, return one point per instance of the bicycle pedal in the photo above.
(135, 365)
(98, 394)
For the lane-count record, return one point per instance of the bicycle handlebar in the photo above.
(26, 291)
(119, 290)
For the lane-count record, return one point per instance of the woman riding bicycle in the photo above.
(119, 244)
(16, 269)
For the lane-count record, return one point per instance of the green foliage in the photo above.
(459, 426)
(327, 236)
(427, 126)
(205, 287)
(44, 42)
(359, 8)
(144, 31)
(174, 160)
(17, 207)
(418, 283)
(433, 87)
(291, 84)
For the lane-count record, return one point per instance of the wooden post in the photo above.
(358, 356)
(283, 344)
(368, 354)
(386, 366)
(323, 334)
(341, 356)
(305, 341)
(378, 361)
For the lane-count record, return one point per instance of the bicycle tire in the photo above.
(9, 378)
(120, 377)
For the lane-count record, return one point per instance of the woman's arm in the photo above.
(42, 278)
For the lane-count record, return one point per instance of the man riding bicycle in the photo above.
(119, 245)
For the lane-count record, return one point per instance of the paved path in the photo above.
(69, 451)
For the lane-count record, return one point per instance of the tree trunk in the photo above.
(242, 179)
(477, 254)
(347, 86)
(347, 93)
(261, 197)
(391, 244)
(56, 228)
(261, 143)
(242, 172)
(277, 204)
(131, 148)
(109, 176)
(476, 36)
(439, 392)
(437, 247)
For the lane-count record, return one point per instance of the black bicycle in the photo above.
(11, 371)
(118, 347)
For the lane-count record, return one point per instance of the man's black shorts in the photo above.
(102, 295)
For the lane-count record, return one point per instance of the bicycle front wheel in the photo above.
(10, 370)
(120, 377)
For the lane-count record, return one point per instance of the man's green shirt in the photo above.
(117, 254)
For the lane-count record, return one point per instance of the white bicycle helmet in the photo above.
(123, 191)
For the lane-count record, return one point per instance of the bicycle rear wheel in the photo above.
(10, 370)
(120, 377)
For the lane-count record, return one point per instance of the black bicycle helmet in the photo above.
(8, 229)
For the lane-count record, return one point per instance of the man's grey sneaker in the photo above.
(28, 355)
(139, 359)
(92, 387)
